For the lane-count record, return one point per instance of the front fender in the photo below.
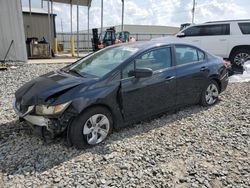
(83, 98)
(105, 95)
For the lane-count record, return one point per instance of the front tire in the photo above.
(91, 127)
(210, 94)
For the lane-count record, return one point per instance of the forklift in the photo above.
(123, 36)
(107, 38)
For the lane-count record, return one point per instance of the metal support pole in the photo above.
(122, 14)
(72, 41)
(101, 15)
(30, 18)
(51, 8)
(77, 20)
(30, 6)
(55, 44)
(193, 10)
(71, 18)
(41, 3)
(49, 30)
(88, 26)
(62, 31)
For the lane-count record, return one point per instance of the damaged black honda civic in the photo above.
(120, 85)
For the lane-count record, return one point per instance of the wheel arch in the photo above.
(115, 116)
(217, 80)
(237, 48)
(97, 105)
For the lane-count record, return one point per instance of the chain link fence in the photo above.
(86, 44)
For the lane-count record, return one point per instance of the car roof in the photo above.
(216, 22)
(172, 40)
(161, 41)
(226, 21)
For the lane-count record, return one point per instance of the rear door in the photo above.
(216, 38)
(146, 96)
(191, 74)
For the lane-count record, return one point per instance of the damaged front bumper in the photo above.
(37, 120)
(54, 124)
(33, 119)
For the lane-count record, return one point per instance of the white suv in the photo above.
(228, 39)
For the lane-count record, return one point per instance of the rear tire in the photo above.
(210, 94)
(239, 57)
(91, 127)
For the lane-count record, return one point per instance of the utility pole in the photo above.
(193, 10)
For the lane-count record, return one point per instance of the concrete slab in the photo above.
(52, 61)
(60, 58)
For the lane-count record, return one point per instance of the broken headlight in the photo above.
(50, 110)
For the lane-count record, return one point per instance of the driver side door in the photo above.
(142, 97)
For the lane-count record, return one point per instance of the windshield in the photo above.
(104, 61)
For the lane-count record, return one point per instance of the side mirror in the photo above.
(141, 73)
(181, 35)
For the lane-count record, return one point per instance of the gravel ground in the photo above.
(196, 147)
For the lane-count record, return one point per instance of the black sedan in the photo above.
(120, 85)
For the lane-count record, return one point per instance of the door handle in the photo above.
(169, 78)
(195, 40)
(223, 40)
(203, 69)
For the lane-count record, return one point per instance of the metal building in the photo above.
(12, 32)
(39, 26)
(36, 23)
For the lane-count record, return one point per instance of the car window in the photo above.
(201, 55)
(245, 28)
(109, 36)
(208, 30)
(218, 29)
(187, 54)
(192, 31)
(127, 69)
(102, 62)
(156, 60)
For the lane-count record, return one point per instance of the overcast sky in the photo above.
(149, 12)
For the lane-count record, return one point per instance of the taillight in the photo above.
(227, 63)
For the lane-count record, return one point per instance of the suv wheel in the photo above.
(240, 56)
(91, 127)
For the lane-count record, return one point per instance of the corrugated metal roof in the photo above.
(74, 2)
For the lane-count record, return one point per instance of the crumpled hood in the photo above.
(45, 87)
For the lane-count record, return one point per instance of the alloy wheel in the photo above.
(241, 58)
(96, 128)
(212, 94)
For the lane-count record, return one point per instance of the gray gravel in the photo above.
(196, 147)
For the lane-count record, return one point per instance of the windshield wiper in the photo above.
(74, 72)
